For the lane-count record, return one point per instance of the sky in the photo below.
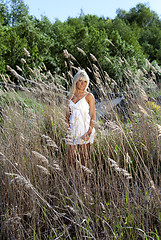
(62, 9)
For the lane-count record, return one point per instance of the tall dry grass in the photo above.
(44, 198)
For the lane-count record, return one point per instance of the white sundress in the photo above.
(79, 122)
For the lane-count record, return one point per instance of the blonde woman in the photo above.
(80, 117)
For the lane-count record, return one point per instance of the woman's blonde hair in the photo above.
(80, 75)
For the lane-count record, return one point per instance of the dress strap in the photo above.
(86, 94)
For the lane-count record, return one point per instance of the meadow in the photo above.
(42, 196)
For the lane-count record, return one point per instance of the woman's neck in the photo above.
(79, 92)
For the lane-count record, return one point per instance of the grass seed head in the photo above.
(43, 169)
(22, 181)
(81, 51)
(27, 52)
(40, 157)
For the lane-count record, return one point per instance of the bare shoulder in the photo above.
(90, 98)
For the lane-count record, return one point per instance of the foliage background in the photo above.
(135, 35)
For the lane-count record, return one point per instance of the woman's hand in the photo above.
(85, 137)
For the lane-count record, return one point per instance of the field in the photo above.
(44, 198)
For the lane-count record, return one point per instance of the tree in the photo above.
(4, 14)
(15, 10)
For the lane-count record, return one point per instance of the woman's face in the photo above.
(81, 85)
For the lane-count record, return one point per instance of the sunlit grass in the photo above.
(43, 198)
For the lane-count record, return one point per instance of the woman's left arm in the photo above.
(91, 101)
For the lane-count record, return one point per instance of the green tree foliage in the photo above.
(128, 39)
(147, 27)
(11, 44)
(15, 10)
(4, 14)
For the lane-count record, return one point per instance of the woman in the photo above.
(80, 117)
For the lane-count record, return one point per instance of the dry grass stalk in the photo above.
(132, 143)
(44, 170)
(81, 51)
(40, 157)
(70, 75)
(14, 220)
(107, 59)
(23, 60)
(110, 42)
(18, 68)
(89, 69)
(43, 76)
(95, 67)
(55, 166)
(159, 129)
(84, 168)
(72, 57)
(66, 54)
(32, 71)
(93, 57)
(124, 172)
(128, 159)
(1, 92)
(114, 126)
(49, 142)
(72, 210)
(22, 181)
(143, 111)
(2, 157)
(22, 137)
(75, 68)
(27, 52)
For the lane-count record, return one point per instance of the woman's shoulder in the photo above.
(90, 97)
